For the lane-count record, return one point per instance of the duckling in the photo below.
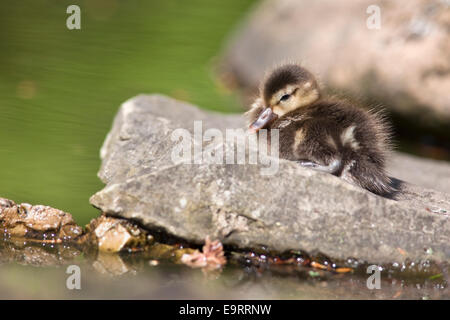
(325, 134)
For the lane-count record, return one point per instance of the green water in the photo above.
(60, 88)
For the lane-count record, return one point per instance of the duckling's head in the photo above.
(286, 88)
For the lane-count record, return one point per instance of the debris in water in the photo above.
(212, 257)
(314, 274)
(153, 263)
(319, 266)
(436, 276)
(343, 270)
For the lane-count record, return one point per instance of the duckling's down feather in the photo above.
(339, 138)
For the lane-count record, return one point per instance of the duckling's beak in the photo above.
(265, 118)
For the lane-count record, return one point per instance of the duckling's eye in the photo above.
(285, 97)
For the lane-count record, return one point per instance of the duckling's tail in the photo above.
(368, 175)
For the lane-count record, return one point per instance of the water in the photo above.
(39, 271)
(60, 89)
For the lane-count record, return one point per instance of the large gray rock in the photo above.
(429, 173)
(296, 208)
(405, 64)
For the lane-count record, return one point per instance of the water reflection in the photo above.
(31, 270)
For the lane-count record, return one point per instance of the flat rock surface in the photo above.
(296, 208)
(429, 173)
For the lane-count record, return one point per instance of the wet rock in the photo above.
(6, 203)
(115, 235)
(39, 222)
(295, 208)
(386, 65)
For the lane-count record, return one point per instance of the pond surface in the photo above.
(38, 271)
(60, 88)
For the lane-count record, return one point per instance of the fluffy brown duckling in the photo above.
(325, 134)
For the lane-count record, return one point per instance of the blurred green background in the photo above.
(60, 88)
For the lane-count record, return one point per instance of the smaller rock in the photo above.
(115, 235)
(37, 222)
(6, 203)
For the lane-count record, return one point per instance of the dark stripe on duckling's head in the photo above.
(289, 87)
(283, 76)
